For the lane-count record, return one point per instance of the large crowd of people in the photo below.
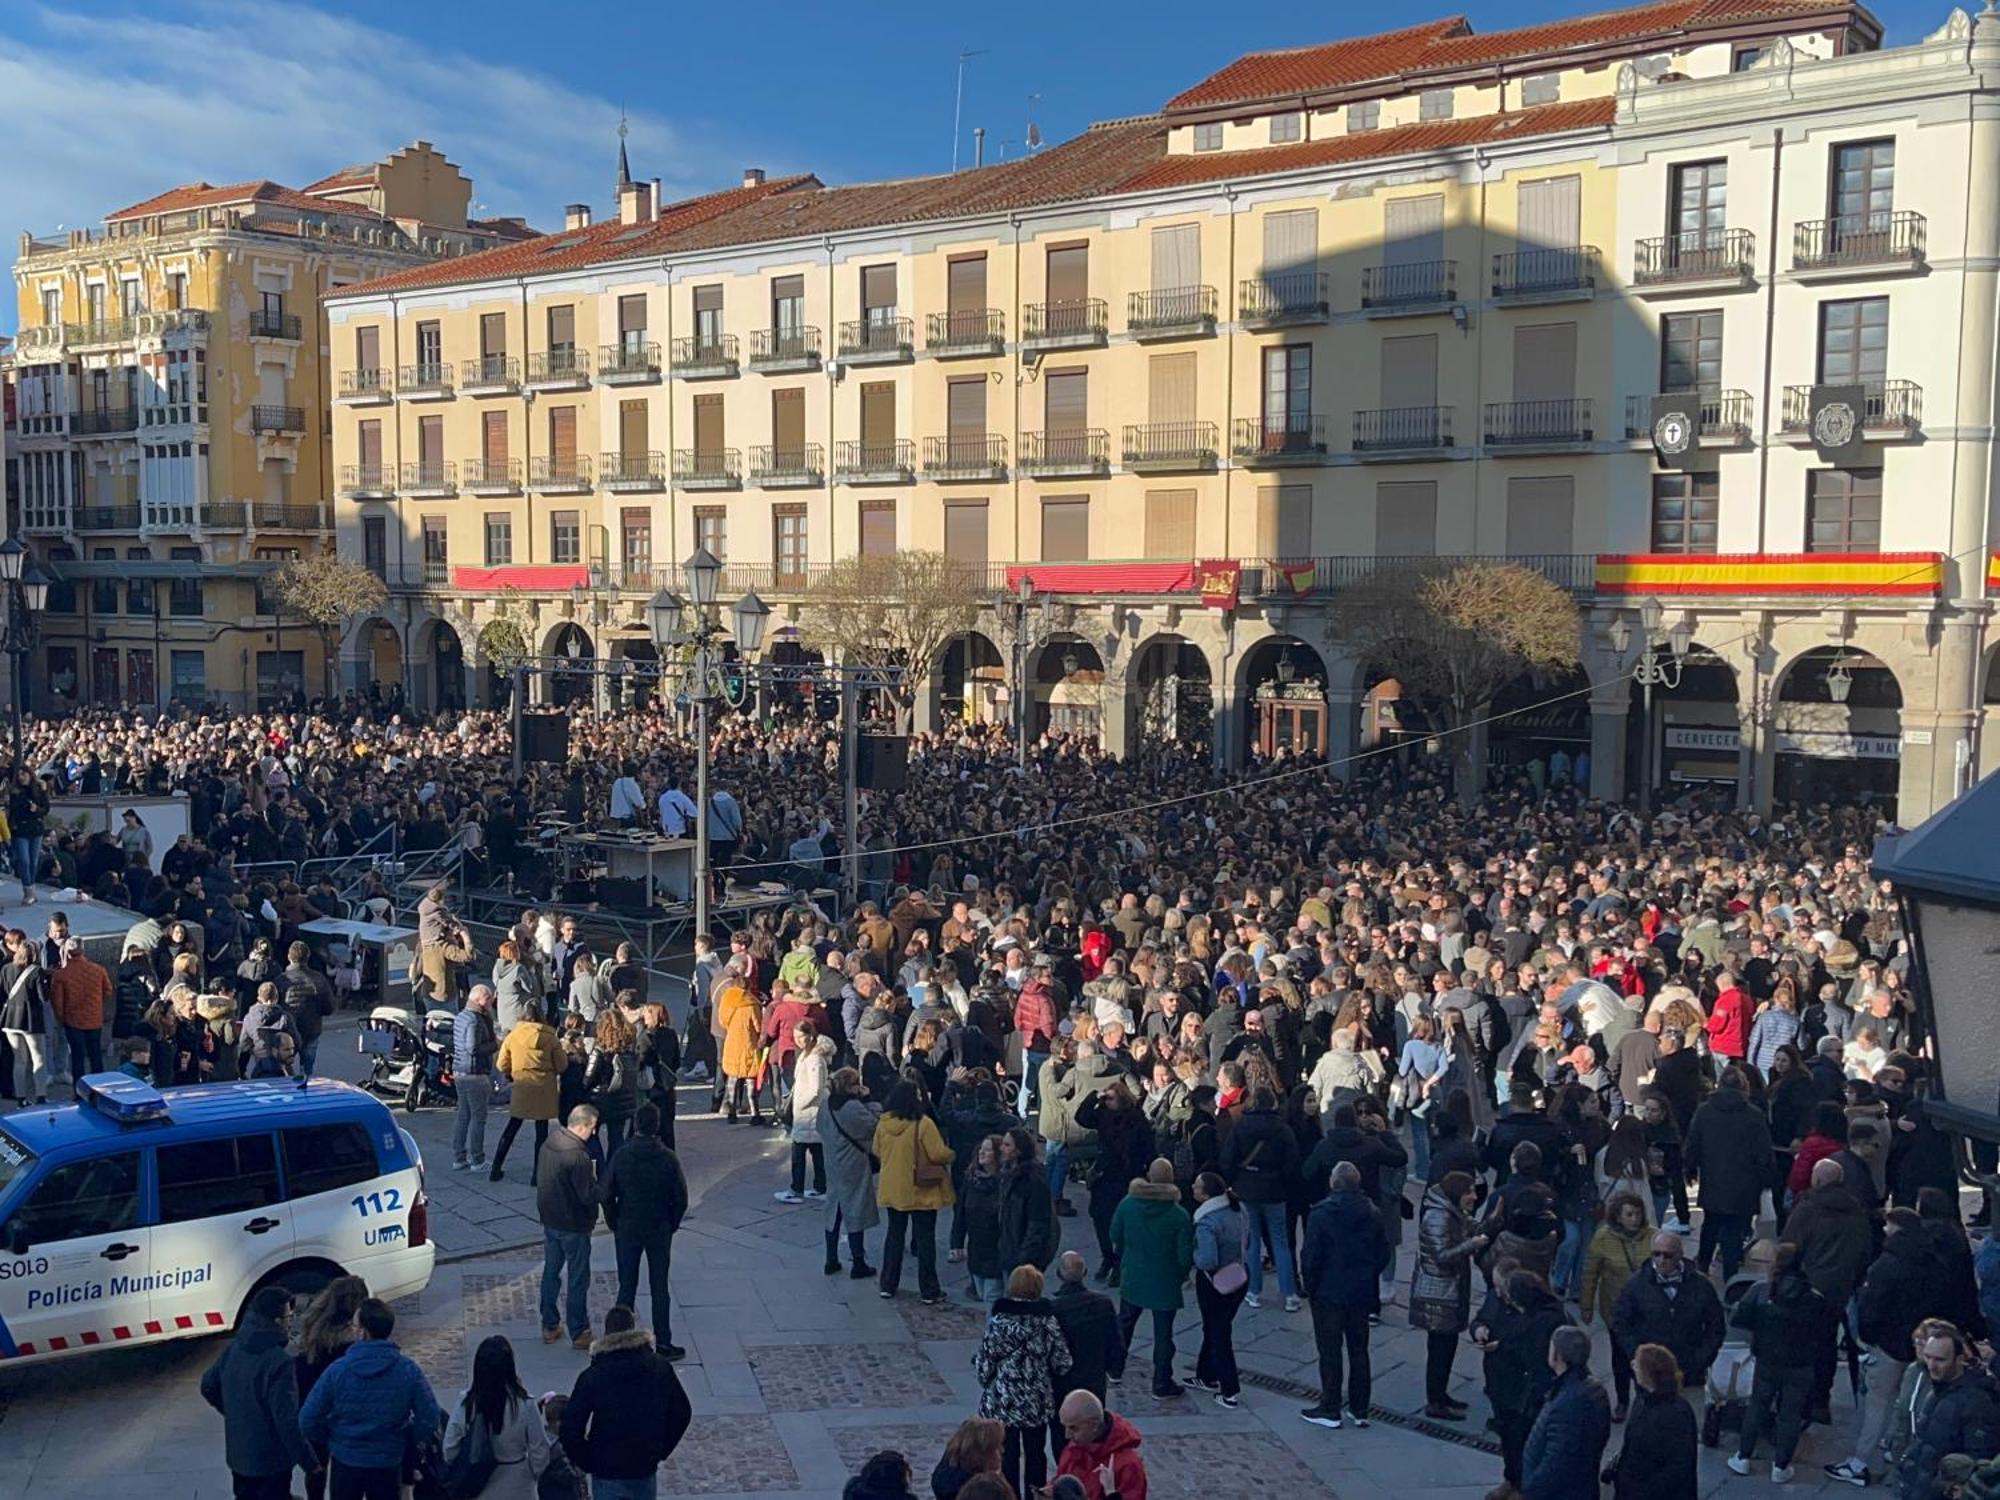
(1326, 1040)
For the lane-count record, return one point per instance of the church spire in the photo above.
(624, 165)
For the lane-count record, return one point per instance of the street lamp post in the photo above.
(1659, 665)
(702, 634)
(27, 593)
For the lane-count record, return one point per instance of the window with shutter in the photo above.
(788, 302)
(878, 293)
(965, 532)
(1406, 518)
(788, 427)
(1066, 528)
(367, 349)
(565, 536)
(708, 316)
(1287, 393)
(493, 445)
(1284, 522)
(966, 419)
(1413, 230)
(878, 528)
(634, 436)
(1170, 388)
(499, 539)
(1065, 402)
(635, 543)
(878, 421)
(1176, 257)
(1069, 273)
(1545, 362)
(1541, 516)
(1291, 241)
(369, 436)
(1550, 229)
(430, 446)
(492, 335)
(788, 544)
(965, 286)
(1409, 372)
(562, 440)
(711, 531)
(562, 329)
(708, 429)
(632, 317)
(1170, 523)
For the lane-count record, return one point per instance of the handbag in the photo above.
(1230, 1279)
(923, 1171)
(468, 1468)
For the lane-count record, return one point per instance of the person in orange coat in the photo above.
(741, 1022)
(79, 991)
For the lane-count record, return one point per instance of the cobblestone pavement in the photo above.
(795, 1377)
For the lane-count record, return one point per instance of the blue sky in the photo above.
(103, 102)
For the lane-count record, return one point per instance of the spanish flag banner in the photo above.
(1834, 574)
(1299, 576)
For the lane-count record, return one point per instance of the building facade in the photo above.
(170, 434)
(1639, 300)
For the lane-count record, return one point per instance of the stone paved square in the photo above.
(495, 1301)
(953, 1318)
(922, 1445)
(729, 1456)
(1232, 1466)
(818, 1377)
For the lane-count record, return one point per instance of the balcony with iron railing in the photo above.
(704, 356)
(793, 468)
(274, 325)
(1701, 260)
(106, 421)
(281, 421)
(119, 330)
(1531, 426)
(1403, 432)
(559, 369)
(1075, 453)
(271, 515)
(1724, 418)
(1282, 578)
(636, 470)
(1554, 273)
(708, 468)
(877, 340)
(1408, 288)
(965, 333)
(1282, 299)
(424, 382)
(552, 473)
(629, 362)
(364, 387)
(436, 571)
(1890, 410)
(1877, 243)
(1171, 313)
(962, 457)
(1169, 447)
(429, 478)
(776, 351)
(108, 518)
(490, 476)
(1079, 324)
(874, 461)
(489, 375)
(367, 482)
(1279, 441)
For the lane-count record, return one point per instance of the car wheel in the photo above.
(302, 1282)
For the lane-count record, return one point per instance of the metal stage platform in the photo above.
(664, 932)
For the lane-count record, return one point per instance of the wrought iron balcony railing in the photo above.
(1528, 424)
(1402, 429)
(1172, 312)
(1699, 255)
(1411, 286)
(1056, 325)
(1883, 239)
(1278, 298)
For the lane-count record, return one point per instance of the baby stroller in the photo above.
(1730, 1376)
(407, 1063)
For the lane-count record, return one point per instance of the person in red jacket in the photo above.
(1729, 1022)
(1100, 1450)
(1035, 1020)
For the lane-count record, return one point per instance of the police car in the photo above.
(136, 1216)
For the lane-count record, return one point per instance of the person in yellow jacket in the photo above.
(1619, 1248)
(741, 1022)
(532, 1059)
(913, 1184)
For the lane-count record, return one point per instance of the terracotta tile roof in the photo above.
(1450, 43)
(1402, 140)
(358, 175)
(600, 243)
(195, 195)
(511, 228)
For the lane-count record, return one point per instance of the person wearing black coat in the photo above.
(1787, 1322)
(1513, 1328)
(1727, 1146)
(1345, 1243)
(1662, 1440)
(1689, 1322)
(1028, 1233)
(1089, 1323)
(1901, 1288)
(1260, 1159)
(627, 1412)
(255, 1388)
(1524, 1121)
(645, 1197)
(1962, 1415)
(1566, 1445)
(1371, 1151)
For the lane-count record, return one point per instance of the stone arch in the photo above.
(438, 665)
(1538, 725)
(1694, 735)
(1282, 682)
(1066, 686)
(971, 676)
(374, 656)
(1837, 729)
(569, 659)
(1170, 692)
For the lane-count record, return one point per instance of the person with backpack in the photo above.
(496, 1430)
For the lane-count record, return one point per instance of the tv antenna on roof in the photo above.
(958, 102)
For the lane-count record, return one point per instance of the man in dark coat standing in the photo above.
(1662, 1304)
(1345, 1246)
(1728, 1146)
(645, 1197)
(256, 1389)
(627, 1412)
(1089, 1323)
(1565, 1449)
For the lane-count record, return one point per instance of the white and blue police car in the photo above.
(135, 1216)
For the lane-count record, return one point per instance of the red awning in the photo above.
(1106, 578)
(554, 578)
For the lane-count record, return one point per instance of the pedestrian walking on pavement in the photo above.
(256, 1389)
(1020, 1358)
(474, 1045)
(1661, 1445)
(1345, 1243)
(566, 1203)
(1221, 1281)
(914, 1183)
(645, 1197)
(847, 1128)
(626, 1414)
(1153, 1237)
(494, 1421)
(368, 1408)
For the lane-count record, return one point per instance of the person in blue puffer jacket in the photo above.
(368, 1406)
(1221, 1238)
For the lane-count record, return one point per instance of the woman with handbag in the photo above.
(495, 1445)
(531, 1059)
(913, 1184)
(1221, 1280)
(611, 1083)
(1420, 1074)
(847, 1127)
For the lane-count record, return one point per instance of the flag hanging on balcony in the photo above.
(1676, 426)
(1298, 576)
(1221, 582)
(1835, 422)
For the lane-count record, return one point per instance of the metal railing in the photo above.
(947, 456)
(1256, 439)
(1402, 428)
(1282, 297)
(107, 518)
(103, 330)
(1699, 255)
(620, 470)
(431, 474)
(1283, 577)
(782, 346)
(1418, 283)
(862, 338)
(274, 325)
(1529, 423)
(1882, 239)
(1177, 443)
(628, 360)
(105, 419)
(490, 473)
(558, 366)
(1724, 414)
(278, 419)
(1081, 450)
(424, 379)
(714, 467)
(273, 516)
(770, 464)
(500, 370)
(696, 354)
(1170, 309)
(436, 572)
(1079, 321)
(364, 382)
(225, 515)
(366, 479)
(1887, 405)
(549, 471)
(966, 329)
(895, 457)
(1554, 268)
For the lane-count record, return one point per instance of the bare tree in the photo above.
(897, 609)
(327, 593)
(1454, 634)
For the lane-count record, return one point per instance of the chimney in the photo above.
(635, 203)
(576, 216)
(753, 176)
(979, 145)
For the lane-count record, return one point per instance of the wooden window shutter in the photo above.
(708, 298)
(966, 410)
(787, 288)
(562, 327)
(1170, 523)
(878, 288)
(1170, 378)
(493, 443)
(965, 285)
(1541, 515)
(1551, 213)
(562, 436)
(1406, 518)
(1409, 371)
(1066, 401)
(430, 441)
(878, 414)
(1545, 362)
(492, 334)
(1284, 521)
(368, 348)
(632, 313)
(1291, 240)
(788, 421)
(1069, 273)
(708, 425)
(1065, 528)
(878, 527)
(370, 434)
(1176, 257)
(634, 437)
(1413, 230)
(965, 532)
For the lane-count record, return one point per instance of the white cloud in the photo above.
(98, 111)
